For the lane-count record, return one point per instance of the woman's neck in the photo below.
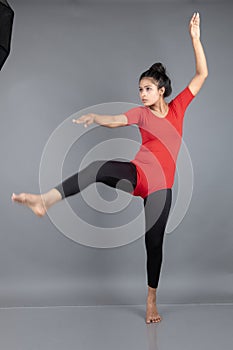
(160, 108)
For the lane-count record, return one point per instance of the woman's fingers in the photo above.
(80, 120)
(194, 25)
(87, 119)
(195, 18)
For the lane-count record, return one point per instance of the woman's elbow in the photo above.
(206, 73)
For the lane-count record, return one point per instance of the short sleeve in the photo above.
(181, 102)
(134, 116)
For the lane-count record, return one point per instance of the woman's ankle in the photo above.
(151, 296)
(51, 197)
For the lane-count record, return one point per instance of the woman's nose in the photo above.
(143, 94)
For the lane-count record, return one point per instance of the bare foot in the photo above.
(152, 315)
(32, 201)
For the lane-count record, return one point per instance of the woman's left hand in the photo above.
(194, 26)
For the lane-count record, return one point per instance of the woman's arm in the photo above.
(200, 59)
(111, 121)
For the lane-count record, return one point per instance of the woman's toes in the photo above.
(150, 321)
(154, 320)
(21, 198)
(34, 202)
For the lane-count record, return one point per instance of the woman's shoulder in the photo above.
(181, 101)
(183, 94)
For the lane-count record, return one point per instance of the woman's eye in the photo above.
(140, 90)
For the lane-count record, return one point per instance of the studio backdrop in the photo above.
(72, 56)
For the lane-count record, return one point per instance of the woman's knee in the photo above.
(104, 170)
(154, 241)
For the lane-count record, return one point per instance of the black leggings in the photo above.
(123, 175)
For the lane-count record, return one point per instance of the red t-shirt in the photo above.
(161, 139)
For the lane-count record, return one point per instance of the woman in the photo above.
(150, 174)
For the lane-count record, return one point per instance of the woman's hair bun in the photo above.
(158, 67)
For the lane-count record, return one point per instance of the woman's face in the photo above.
(149, 92)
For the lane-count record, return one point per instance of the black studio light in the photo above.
(6, 23)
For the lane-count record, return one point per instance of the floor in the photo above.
(195, 326)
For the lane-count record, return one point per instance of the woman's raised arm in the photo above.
(200, 59)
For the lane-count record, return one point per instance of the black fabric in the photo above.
(123, 175)
(114, 173)
(157, 206)
(6, 24)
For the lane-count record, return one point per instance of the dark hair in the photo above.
(158, 72)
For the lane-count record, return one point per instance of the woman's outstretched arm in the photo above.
(111, 121)
(200, 59)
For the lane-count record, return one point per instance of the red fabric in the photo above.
(161, 140)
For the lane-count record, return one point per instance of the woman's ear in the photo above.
(161, 91)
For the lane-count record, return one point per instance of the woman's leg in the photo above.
(157, 207)
(112, 173)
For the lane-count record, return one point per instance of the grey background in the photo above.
(67, 56)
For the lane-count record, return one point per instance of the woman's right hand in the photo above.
(87, 119)
(194, 26)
